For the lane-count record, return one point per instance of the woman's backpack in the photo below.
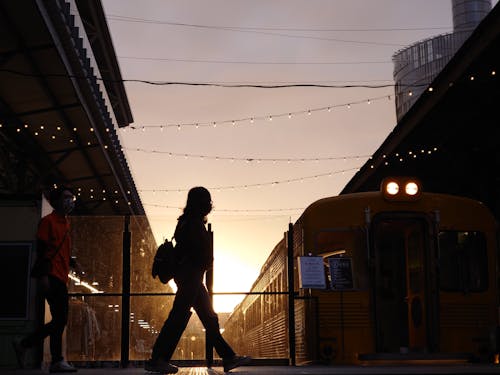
(165, 262)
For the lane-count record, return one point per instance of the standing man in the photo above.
(54, 257)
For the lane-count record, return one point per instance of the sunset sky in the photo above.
(253, 168)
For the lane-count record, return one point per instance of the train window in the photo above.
(349, 243)
(463, 261)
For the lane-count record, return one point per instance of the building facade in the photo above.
(416, 66)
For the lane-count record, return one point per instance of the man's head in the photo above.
(62, 199)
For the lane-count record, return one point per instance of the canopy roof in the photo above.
(62, 100)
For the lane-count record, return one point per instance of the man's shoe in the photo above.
(62, 366)
(236, 361)
(160, 366)
(20, 351)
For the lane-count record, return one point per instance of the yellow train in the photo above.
(410, 276)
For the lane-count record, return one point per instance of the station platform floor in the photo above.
(295, 370)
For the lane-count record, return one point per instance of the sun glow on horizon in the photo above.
(231, 274)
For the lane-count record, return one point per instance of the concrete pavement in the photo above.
(297, 370)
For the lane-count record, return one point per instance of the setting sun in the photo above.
(231, 274)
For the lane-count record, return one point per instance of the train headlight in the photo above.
(392, 188)
(401, 189)
(411, 188)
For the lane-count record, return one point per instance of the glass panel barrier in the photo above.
(98, 301)
(93, 332)
(142, 252)
(192, 343)
(147, 314)
(97, 243)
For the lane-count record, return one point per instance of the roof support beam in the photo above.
(42, 111)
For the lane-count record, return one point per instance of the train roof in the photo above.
(346, 203)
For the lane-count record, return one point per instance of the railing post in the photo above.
(291, 296)
(209, 279)
(125, 339)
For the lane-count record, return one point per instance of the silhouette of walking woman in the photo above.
(193, 247)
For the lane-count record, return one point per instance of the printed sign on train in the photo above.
(311, 272)
(341, 273)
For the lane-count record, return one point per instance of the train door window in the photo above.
(463, 261)
(400, 283)
(348, 243)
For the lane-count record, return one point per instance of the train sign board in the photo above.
(311, 272)
(341, 273)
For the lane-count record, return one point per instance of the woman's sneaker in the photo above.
(160, 366)
(61, 366)
(236, 361)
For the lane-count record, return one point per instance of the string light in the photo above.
(252, 119)
(398, 158)
(258, 185)
(247, 159)
(253, 210)
(491, 73)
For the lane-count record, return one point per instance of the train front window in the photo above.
(463, 261)
(345, 243)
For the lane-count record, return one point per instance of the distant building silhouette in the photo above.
(416, 65)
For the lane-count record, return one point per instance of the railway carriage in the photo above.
(421, 282)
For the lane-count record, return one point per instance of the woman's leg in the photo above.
(210, 320)
(177, 320)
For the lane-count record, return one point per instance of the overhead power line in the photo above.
(251, 31)
(213, 84)
(236, 62)
(116, 17)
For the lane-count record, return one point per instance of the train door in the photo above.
(400, 284)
